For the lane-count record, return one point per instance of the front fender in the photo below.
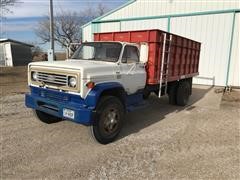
(94, 95)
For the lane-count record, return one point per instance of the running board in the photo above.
(138, 106)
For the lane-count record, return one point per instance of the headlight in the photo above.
(72, 81)
(34, 76)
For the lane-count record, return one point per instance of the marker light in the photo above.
(90, 85)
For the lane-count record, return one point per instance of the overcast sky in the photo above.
(20, 24)
(30, 8)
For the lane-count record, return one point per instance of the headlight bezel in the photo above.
(34, 75)
(72, 81)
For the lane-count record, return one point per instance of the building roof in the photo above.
(163, 14)
(110, 12)
(14, 41)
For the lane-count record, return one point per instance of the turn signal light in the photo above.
(90, 85)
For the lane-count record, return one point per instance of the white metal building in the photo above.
(214, 23)
(14, 53)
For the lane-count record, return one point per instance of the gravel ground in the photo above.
(13, 80)
(200, 141)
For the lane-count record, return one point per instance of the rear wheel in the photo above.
(146, 94)
(108, 121)
(46, 118)
(172, 91)
(183, 93)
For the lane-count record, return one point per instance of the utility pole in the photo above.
(51, 50)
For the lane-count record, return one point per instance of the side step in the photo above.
(141, 105)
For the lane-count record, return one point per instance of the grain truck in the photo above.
(111, 76)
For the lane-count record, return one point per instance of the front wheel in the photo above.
(109, 120)
(46, 118)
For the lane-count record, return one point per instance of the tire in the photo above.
(146, 94)
(172, 98)
(108, 121)
(46, 118)
(183, 93)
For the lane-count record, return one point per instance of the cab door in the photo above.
(132, 71)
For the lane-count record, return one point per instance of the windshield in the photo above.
(98, 51)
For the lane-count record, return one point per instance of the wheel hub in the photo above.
(111, 121)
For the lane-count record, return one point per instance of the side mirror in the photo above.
(144, 53)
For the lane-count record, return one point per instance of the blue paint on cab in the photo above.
(53, 101)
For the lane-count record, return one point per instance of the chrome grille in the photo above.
(50, 78)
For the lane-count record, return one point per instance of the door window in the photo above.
(130, 55)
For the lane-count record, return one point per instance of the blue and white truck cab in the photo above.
(96, 87)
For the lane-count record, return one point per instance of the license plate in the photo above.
(68, 113)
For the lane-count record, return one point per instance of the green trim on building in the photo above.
(168, 15)
(230, 48)
(169, 24)
(110, 12)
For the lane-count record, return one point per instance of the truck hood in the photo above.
(74, 64)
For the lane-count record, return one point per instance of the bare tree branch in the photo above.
(6, 4)
(101, 9)
(67, 26)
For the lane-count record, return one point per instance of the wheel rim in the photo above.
(110, 121)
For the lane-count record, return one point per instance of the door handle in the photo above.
(118, 75)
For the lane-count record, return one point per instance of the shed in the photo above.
(213, 23)
(14, 53)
